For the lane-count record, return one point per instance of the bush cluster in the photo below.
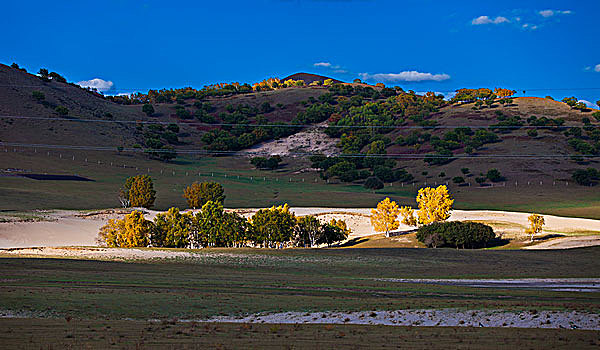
(456, 234)
(276, 227)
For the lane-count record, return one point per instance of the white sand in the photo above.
(446, 317)
(70, 228)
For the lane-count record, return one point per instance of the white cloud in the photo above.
(340, 71)
(97, 83)
(409, 76)
(550, 13)
(530, 26)
(597, 68)
(322, 64)
(486, 20)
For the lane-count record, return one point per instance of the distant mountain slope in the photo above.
(309, 78)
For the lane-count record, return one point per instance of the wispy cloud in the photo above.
(597, 68)
(323, 64)
(487, 20)
(97, 83)
(407, 76)
(550, 13)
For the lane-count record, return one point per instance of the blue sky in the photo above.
(420, 45)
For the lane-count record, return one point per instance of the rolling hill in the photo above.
(400, 137)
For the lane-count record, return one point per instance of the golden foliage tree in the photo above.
(132, 231)
(138, 191)
(198, 194)
(408, 216)
(504, 92)
(536, 224)
(435, 204)
(385, 216)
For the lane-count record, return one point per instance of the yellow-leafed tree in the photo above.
(536, 224)
(435, 204)
(408, 216)
(385, 217)
(132, 231)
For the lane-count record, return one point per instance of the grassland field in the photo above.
(110, 304)
(253, 188)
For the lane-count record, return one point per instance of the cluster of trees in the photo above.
(586, 177)
(483, 96)
(373, 165)
(269, 163)
(574, 103)
(212, 226)
(434, 204)
(158, 140)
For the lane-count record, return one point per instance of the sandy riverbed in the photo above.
(446, 317)
(72, 228)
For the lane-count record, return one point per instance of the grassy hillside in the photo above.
(535, 144)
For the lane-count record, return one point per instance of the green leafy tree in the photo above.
(148, 109)
(171, 229)
(271, 227)
(307, 231)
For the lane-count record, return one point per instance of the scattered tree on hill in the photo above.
(148, 109)
(43, 73)
(586, 177)
(62, 110)
(373, 183)
(138, 191)
(536, 224)
(385, 217)
(504, 92)
(38, 95)
(494, 175)
(198, 194)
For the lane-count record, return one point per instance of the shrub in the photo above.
(38, 95)
(494, 175)
(465, 171)
(532, 133)
(586, 177)
(458, 179)
(373, 183)
(148, 109)
(456, 234)
(266, 163)
(62, 110)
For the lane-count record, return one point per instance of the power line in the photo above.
(298, 154)
(288, 125)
